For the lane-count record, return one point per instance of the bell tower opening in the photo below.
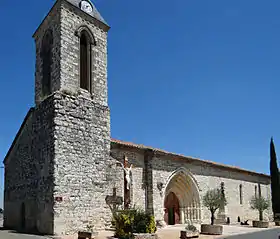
(71, 54)
(46, 55)
(85, 62)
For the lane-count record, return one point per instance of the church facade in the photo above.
(63, 171)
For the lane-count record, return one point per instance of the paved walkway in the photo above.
(166, 233)
(173, 232)
(170, 233)
(12, 235)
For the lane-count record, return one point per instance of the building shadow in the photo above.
(29, 174)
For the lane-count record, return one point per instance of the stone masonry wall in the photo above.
(28, 174)
(206, 177)
(64, 20)
(138, 176)
(82, 160)
(71, 19)
(17, 183)
(51, 22)
(82, 130)
(43, 155)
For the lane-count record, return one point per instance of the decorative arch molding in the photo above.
(89, 33)
(184, 186)
(185, 171)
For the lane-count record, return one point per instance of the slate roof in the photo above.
(94, 13)
(183, 157)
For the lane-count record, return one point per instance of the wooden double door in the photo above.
(172, 209)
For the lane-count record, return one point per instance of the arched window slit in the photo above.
(46, 55)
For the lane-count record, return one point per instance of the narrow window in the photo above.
(260, 191)
(46, 55)
(85, 58)
(240, 194)
(256, 194)
(223, 189)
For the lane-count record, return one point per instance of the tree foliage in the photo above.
(275, 181)
(213, 200)
(260, 204)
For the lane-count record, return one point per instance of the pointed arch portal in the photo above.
(181, 201)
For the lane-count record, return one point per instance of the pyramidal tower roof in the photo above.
(95, 14)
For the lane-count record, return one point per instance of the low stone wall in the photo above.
(145, 236)
(260, 224)
(211, 229)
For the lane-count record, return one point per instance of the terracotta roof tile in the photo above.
(211, 163)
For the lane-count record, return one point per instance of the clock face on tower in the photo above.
(86, 6)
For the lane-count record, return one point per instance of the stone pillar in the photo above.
(182, 215)
(188, 213)
(148, 172)
(196, 211)
(191, 213)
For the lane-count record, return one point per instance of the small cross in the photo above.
(114, 200)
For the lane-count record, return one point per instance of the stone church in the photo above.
(63, 171)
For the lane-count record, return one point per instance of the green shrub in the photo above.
(128, 222)
(123, 223)
(151, 227)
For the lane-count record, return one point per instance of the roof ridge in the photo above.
(141, 146)
(95, 13)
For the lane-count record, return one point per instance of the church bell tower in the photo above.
(71, 81)
(71, 51)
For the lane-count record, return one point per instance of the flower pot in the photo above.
(260, 224)
(84, 235)
(211, 229)
(145, 236)
(189, 234)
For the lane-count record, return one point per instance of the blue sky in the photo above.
(195, 77)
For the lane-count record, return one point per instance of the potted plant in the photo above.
(260, 204)
(213, 200)
(277, 219)
(88, 233)
(85, 233)
(189, 232)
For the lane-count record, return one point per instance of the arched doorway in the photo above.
(181, 201)
(172, 207)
